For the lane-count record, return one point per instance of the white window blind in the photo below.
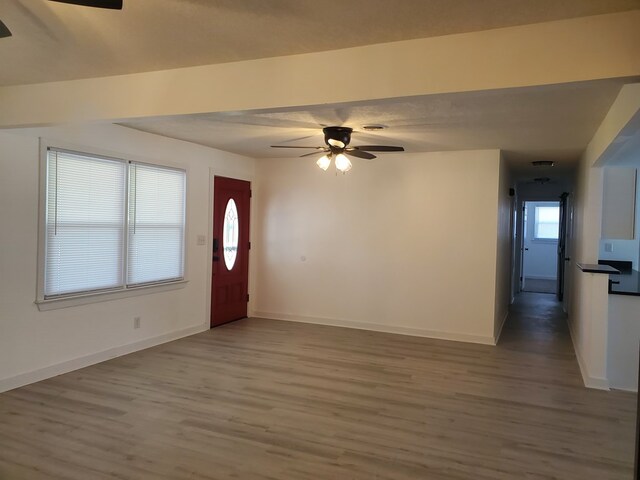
(98, 237)
(85, 211)
(156, 224)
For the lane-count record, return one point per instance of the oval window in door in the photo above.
(230, 234)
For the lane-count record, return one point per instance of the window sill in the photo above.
(88, 298)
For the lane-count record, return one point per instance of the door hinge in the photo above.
(249, 245)
(250, 193)
(247, 297)
(520, 278)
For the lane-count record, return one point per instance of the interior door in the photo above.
(523, 247)
(562, 245)
(230, 272)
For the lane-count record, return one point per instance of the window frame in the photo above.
(87, 297)
(534, 237)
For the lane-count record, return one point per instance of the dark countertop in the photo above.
(629, 283)
(596, 268)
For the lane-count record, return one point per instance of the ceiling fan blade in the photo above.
(112, 4)
(378, 148)
(312, 153)
(294, 146)
(4, 30)
(299, 138)
(360, 154)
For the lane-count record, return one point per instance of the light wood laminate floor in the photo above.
(268, 399)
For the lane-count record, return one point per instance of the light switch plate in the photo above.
(608, 247)
(201, 240)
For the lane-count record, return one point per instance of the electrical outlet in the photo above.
(608, 247)
(201, 240)
(136, 322)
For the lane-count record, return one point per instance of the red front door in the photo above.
(230, 282)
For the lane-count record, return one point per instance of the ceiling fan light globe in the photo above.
(336, 143)
(343, 164)
(324, 162)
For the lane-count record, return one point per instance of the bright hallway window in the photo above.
(111, 224)
(547, 222)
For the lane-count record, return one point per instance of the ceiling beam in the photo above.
(617, 139)
(581, 49)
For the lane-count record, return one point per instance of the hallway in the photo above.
(536, 285)
(267, 399)
(537, 341)
(536, 323)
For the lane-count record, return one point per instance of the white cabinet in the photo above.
(619, 203)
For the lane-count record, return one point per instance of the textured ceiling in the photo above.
(54, 41)
(533, 123)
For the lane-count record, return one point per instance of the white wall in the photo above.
(623, 342)
(624, 311)
(402, 243)
(541, 258)
(35, 344)
(628, 250)
(589, 298)
(589, 312)
(504, 249)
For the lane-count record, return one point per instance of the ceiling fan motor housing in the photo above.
(337, 139)
(335, 136)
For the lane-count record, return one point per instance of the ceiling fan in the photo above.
(337, 147)
(111, 4)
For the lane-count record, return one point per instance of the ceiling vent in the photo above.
(373, 127)
(542, 163)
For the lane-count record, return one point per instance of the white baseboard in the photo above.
(597, 383)
(376, 327)
(497, 336)
(624, 389)
(81, 362)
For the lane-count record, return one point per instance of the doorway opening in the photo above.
(541, 233)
